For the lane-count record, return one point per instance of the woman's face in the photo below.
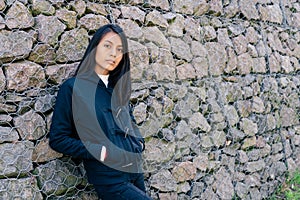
(109, 53)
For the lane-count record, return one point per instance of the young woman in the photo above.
(92, 119)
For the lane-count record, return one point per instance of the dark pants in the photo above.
(134, 189)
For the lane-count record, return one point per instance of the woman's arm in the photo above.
(63, 137)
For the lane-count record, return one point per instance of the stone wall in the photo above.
(215, 92)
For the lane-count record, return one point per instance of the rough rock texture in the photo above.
(215, 93)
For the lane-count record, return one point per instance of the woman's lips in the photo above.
(111, 62)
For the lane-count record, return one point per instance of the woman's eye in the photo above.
(120, 50)
(106, 45)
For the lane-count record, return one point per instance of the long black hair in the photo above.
(120, 76)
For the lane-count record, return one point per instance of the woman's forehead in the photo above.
(112, 37)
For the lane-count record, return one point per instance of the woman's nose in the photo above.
(113, 52)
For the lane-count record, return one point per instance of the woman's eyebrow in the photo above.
(112, 43)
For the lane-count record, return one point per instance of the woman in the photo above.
(92, 119)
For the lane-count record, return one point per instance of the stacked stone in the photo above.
(215, 93)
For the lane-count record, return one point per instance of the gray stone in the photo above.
(241, 190)
(208, 32)
(2, 22)
(217, 58)
(58, 73)
(168, 105)
(15, 45)
(231, 115)
(170, 195)
(254, 193)
(140, 111)
(158, 152)
(232, 9)
(185, 71)
(68, 17)
(2, 5)
(252, 180)
(133, 12)
(23, 75)
(244, 108)
(201, 162)
(182, 130)
(249, 142)
(42, 53)
(15, 158)
(277, 169)
(163, 4)
(44, 103)
(2, 80)
(157, 19)
(8, 134)
(197, 189)
(253, 53)
(236, 29)
(183, 187)
(183, 110)
(42, 7)
(232, 61)
(242, 156)
(176, 91)
(271, 13)
(259, 65)
(200, 7)
(218, 138)
(248, 8)
(209, 194)
(206, 142)
(232, 91)
(192, 27)
(56, 177)
(258, 105)
(224, 184)
(185, 7)
(49, 28)
(165, 57)
(79, 6)
(184, 171)
(131, 28)
(176, 27)
(260, 49)
(248, 126)
(153, 34)
(216, 7)
(197, 49)
(252, 36)
(42, 152)
(30, 125)
(245, 63)
(164, 181)
(18, 16)
(240, 44)
(274, 63)
(223, 37)
(180, 49)
(255, 166)
(5, 119)
(92, 21)
(96, 8)
(72, 45)
(160, 72)
(24, 188)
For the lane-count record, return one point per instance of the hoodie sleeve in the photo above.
(63, 137)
